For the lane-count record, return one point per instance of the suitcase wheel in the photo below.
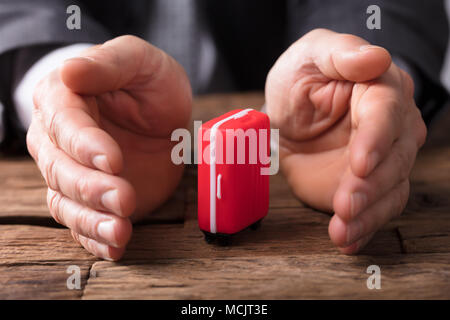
(209, 237)
(221, 239)
(256, 225)
(224, 240)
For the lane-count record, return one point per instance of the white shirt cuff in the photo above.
(23, 93)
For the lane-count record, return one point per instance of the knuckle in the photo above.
(131, 38)
(316, 32)
(54, 203)
(308, 39)
(50, 173)
(37, 93)
(56, 119)
(53, 126)
(404, 163)
(421, 130)
(31, 143)
(90, 245)
(75, 146)
(75, 236)
(82, 222)
(42, 162)
(408, 83)
(395, 112)
(346, 37)
(83, 189)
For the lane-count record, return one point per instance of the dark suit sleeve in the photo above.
(40, 26)
(37, 22)
(414, 31)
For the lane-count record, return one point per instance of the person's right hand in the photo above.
(100, 134)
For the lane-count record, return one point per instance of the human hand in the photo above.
(349, 131)
(100, 134)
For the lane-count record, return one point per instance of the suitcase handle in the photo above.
(219, 188)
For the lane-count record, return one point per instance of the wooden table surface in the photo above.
(290, 257)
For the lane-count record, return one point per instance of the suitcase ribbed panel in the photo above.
(244, 191)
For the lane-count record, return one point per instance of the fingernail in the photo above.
(372, 161)
(354, 231)
(110, 200)
(357, 202)
(105, 230)
(367, 47)
(101, 163)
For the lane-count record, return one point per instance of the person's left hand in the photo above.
(349, 131)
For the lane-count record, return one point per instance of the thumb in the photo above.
(344, 56)
(118, 63)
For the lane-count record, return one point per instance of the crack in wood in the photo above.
(400, 239)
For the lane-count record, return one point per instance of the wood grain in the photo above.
(290, 257)
(23, 190)
(41, 281)
(315, 276)
(287, 231)
(23, 197)
(23, 244)
(34, 262)
(426, 238)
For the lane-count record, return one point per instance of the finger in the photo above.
(99, 249)
(355, 194)
(92, 188)
(114, 65)
(344, 233)
(357, 245)
(104, 228)
(344, 56)
(379, 114)
(374, 136)
(69, 120)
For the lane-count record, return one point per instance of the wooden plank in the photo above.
(291, 256)
(420, 238)
(23, 197)
(422, 230)
(23, 190)
(425, 225)
(34, 262)
(315, 276)
(41, 281)
(23, 244)
(287, 231)
(433, 168)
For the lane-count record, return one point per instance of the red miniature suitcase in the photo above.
(232, 192)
